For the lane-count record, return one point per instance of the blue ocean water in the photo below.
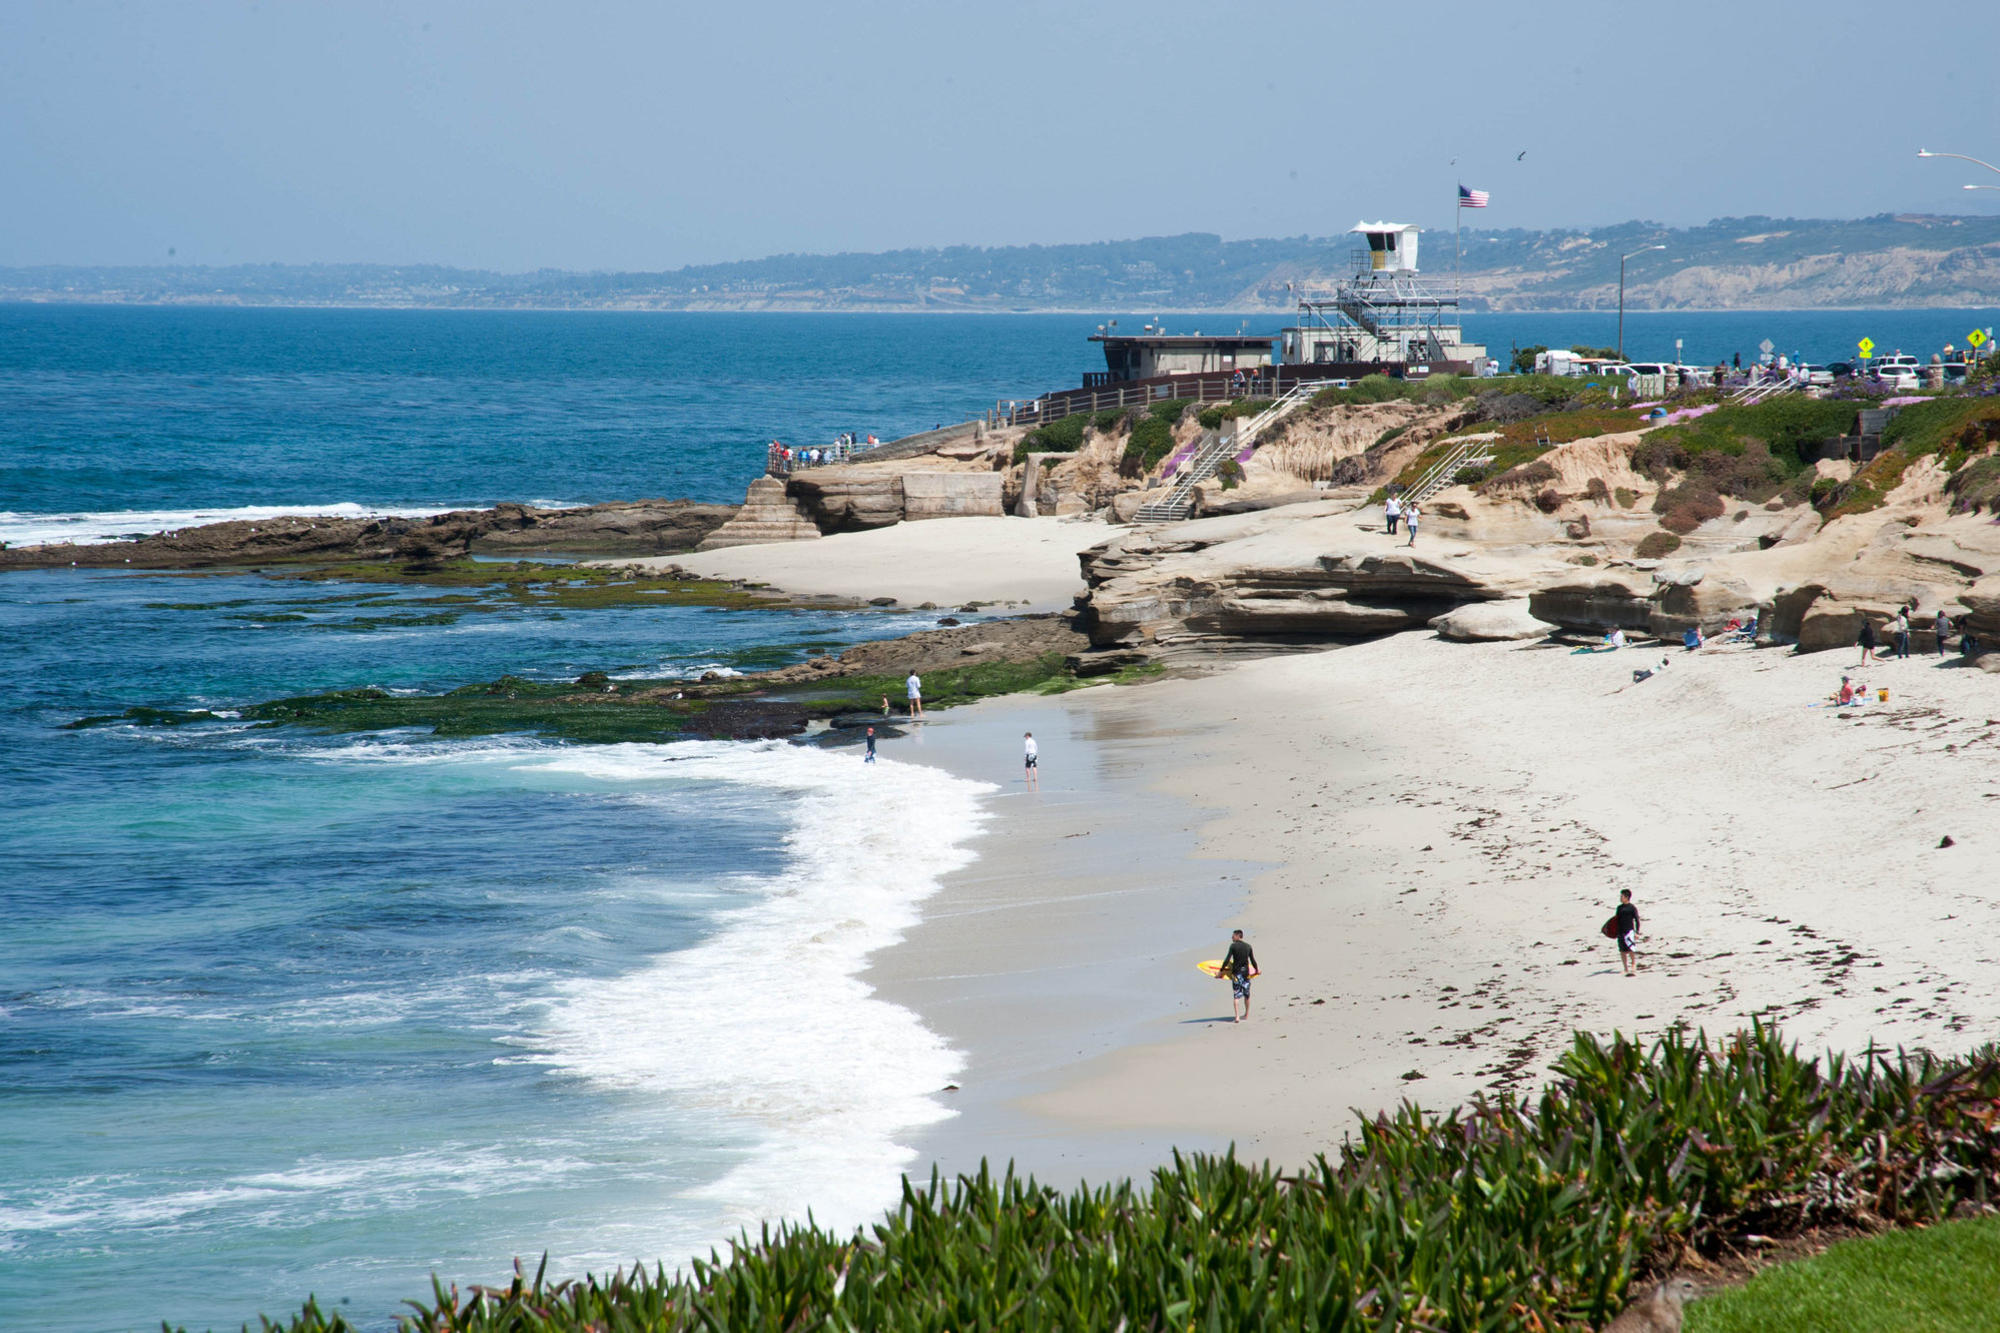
(285, 1013)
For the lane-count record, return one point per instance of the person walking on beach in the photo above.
(1392, 509)
(1866, 640)
(1627, 918)
(870, 758)
(1903, 632)
(1411, 513)
(1029, 760)
(915, 686)
(1239, 964)
(1942, 628)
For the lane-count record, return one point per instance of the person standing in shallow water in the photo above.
(1030, 760)
(1628, 933)
(1239, 965)
(871, 747)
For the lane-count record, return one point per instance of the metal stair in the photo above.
(1215, 447)
(1469, 452)
(1751, 394)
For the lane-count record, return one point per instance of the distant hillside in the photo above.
(1731, 263)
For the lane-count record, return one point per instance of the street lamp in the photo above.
(1621, 294)
(1925, 152)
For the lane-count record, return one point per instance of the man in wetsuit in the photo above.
(1239, 965)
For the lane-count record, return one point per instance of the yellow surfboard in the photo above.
(1212, 966)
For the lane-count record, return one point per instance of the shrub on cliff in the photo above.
(1657, 546)
(1064, 435)
(1956, 427)
(1152, 437)
(1504, 1215)
(1215, 414)
(1789, 428)
(1975, 486)
(1685, 507)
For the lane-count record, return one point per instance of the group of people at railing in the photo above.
(782, 459)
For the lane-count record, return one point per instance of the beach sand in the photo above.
(1027, 563)
(1436, 832)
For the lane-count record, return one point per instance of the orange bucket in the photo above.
(1882, 696)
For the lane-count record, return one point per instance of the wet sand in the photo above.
(1437, 831)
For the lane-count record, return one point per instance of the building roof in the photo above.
(1187, 339)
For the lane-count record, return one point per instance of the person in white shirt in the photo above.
(1028, 743)
(1392, 510)
(915, 686)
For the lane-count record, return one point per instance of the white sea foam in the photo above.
(18, 529)
(317, 1189)
(766, 1027)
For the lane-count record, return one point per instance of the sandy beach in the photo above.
(1028, 564)
(1421, 839)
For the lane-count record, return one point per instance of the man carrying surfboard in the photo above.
(1239, 965)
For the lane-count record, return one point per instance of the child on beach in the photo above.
(1029, 761)
(1865, 640)
(870, 757)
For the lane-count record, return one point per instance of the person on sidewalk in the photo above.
(1030, 760)
(1239, 965)
(1627, 917)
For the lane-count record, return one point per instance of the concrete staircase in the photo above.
(1214, 448)
(767, 515)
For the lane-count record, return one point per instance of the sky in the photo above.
(630, 136)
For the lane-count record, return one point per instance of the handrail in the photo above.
(1209, 455)
(1439, 475)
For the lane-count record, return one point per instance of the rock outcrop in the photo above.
(848, 499)
(1275, 578)
(1483, 622)
(1594, 602)
(640, 527)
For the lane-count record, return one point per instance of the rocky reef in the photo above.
(637, 527)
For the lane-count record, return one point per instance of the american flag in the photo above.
(1472, 198)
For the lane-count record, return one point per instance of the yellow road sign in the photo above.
(1976, 337)
(1867, 346)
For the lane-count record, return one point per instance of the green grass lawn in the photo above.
(1939, 1280)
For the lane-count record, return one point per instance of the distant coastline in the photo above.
(1890, 262)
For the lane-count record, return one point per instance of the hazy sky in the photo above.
(647, 136)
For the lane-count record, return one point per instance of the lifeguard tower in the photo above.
(1382, 319)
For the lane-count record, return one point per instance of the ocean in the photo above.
(285, 1013)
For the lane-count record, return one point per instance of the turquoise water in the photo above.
(284, 1013)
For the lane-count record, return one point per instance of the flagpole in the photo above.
(1457, 214)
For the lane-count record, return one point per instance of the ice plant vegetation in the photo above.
(1506, 1215)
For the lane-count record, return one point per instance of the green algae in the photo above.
(942, 689)
(492, 585)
